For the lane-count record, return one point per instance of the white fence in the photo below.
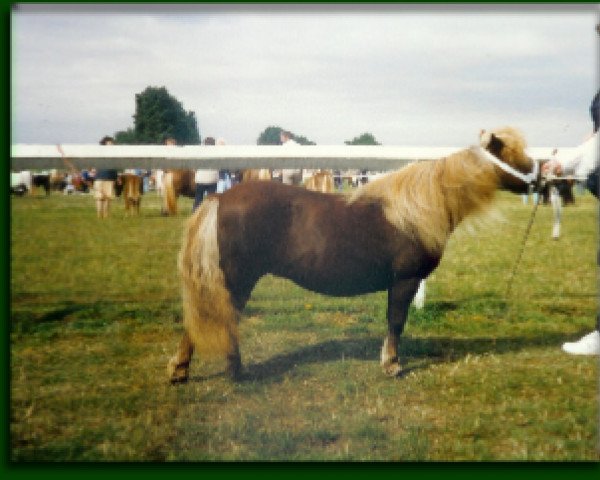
(374, 158)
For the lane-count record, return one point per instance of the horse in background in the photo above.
(58, 180)
(256, 174)
(321, 181)
(27, 181)
(41, 181)
(557, 192)
(176, 183)
(562, 187)
(131, 188)
(387, 235)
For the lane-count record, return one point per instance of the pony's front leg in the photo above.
(400, 296)
(179, 364)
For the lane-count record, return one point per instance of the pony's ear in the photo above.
(491, 142)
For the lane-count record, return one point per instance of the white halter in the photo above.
(528, 178)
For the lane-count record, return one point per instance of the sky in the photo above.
(410, 75)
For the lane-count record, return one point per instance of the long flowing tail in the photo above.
(209, 315)
(169, 194)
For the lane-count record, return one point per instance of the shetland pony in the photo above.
(58, 180)
(388, 235)
(256, 174)
(321, 181)
(132, 193)
(41, 181)
(557, 193)
(176, 183)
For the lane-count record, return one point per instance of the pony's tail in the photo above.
(328, 186)
(169, 196)
(209, 316)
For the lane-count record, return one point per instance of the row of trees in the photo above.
(159, 115)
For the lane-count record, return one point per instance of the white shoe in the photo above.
(588, 345)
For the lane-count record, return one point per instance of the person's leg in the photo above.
(199, 194)
(99, 207)
(211, 188)
(106, 210)
(588, 344)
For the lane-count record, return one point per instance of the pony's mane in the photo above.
(428, 199)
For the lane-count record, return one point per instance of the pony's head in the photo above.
(508, 145)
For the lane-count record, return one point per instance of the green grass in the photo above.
(95, 315)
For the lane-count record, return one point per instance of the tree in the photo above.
(364, 139)
(125, 137)
(303, 140)
(270, 136)
(159, 115)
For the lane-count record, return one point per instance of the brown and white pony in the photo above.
(176, 183)
(388, 235)
(321, 181)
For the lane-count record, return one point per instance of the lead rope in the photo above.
(520, 255)
(529, 179)
(65, 160)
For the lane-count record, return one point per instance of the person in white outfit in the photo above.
(205, 180)
(584, 163)
(289, 176)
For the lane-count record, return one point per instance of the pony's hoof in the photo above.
(234, 368)
(177, 373)
(393, 369)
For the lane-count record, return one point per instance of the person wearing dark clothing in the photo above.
(595, 111)
(106, 174)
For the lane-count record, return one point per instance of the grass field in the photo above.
(95, 315)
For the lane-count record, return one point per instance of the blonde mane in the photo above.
(428, 199)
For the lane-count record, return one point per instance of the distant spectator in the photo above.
(225, 180)
(289, 176)
(104, 185)
(205, 180)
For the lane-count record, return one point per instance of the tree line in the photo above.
(159, 115)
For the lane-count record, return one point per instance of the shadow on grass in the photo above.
(29, 318)
(415, 353)
(27, 322)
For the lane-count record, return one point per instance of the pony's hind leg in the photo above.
(179, 364)
(234, 360)
(238, 301)
(210, 315)
(400, 296)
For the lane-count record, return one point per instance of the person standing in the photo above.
(289, 176)
(104, 185)
(583, 163)
(205, 180)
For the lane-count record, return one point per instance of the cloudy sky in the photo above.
(429, 76)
